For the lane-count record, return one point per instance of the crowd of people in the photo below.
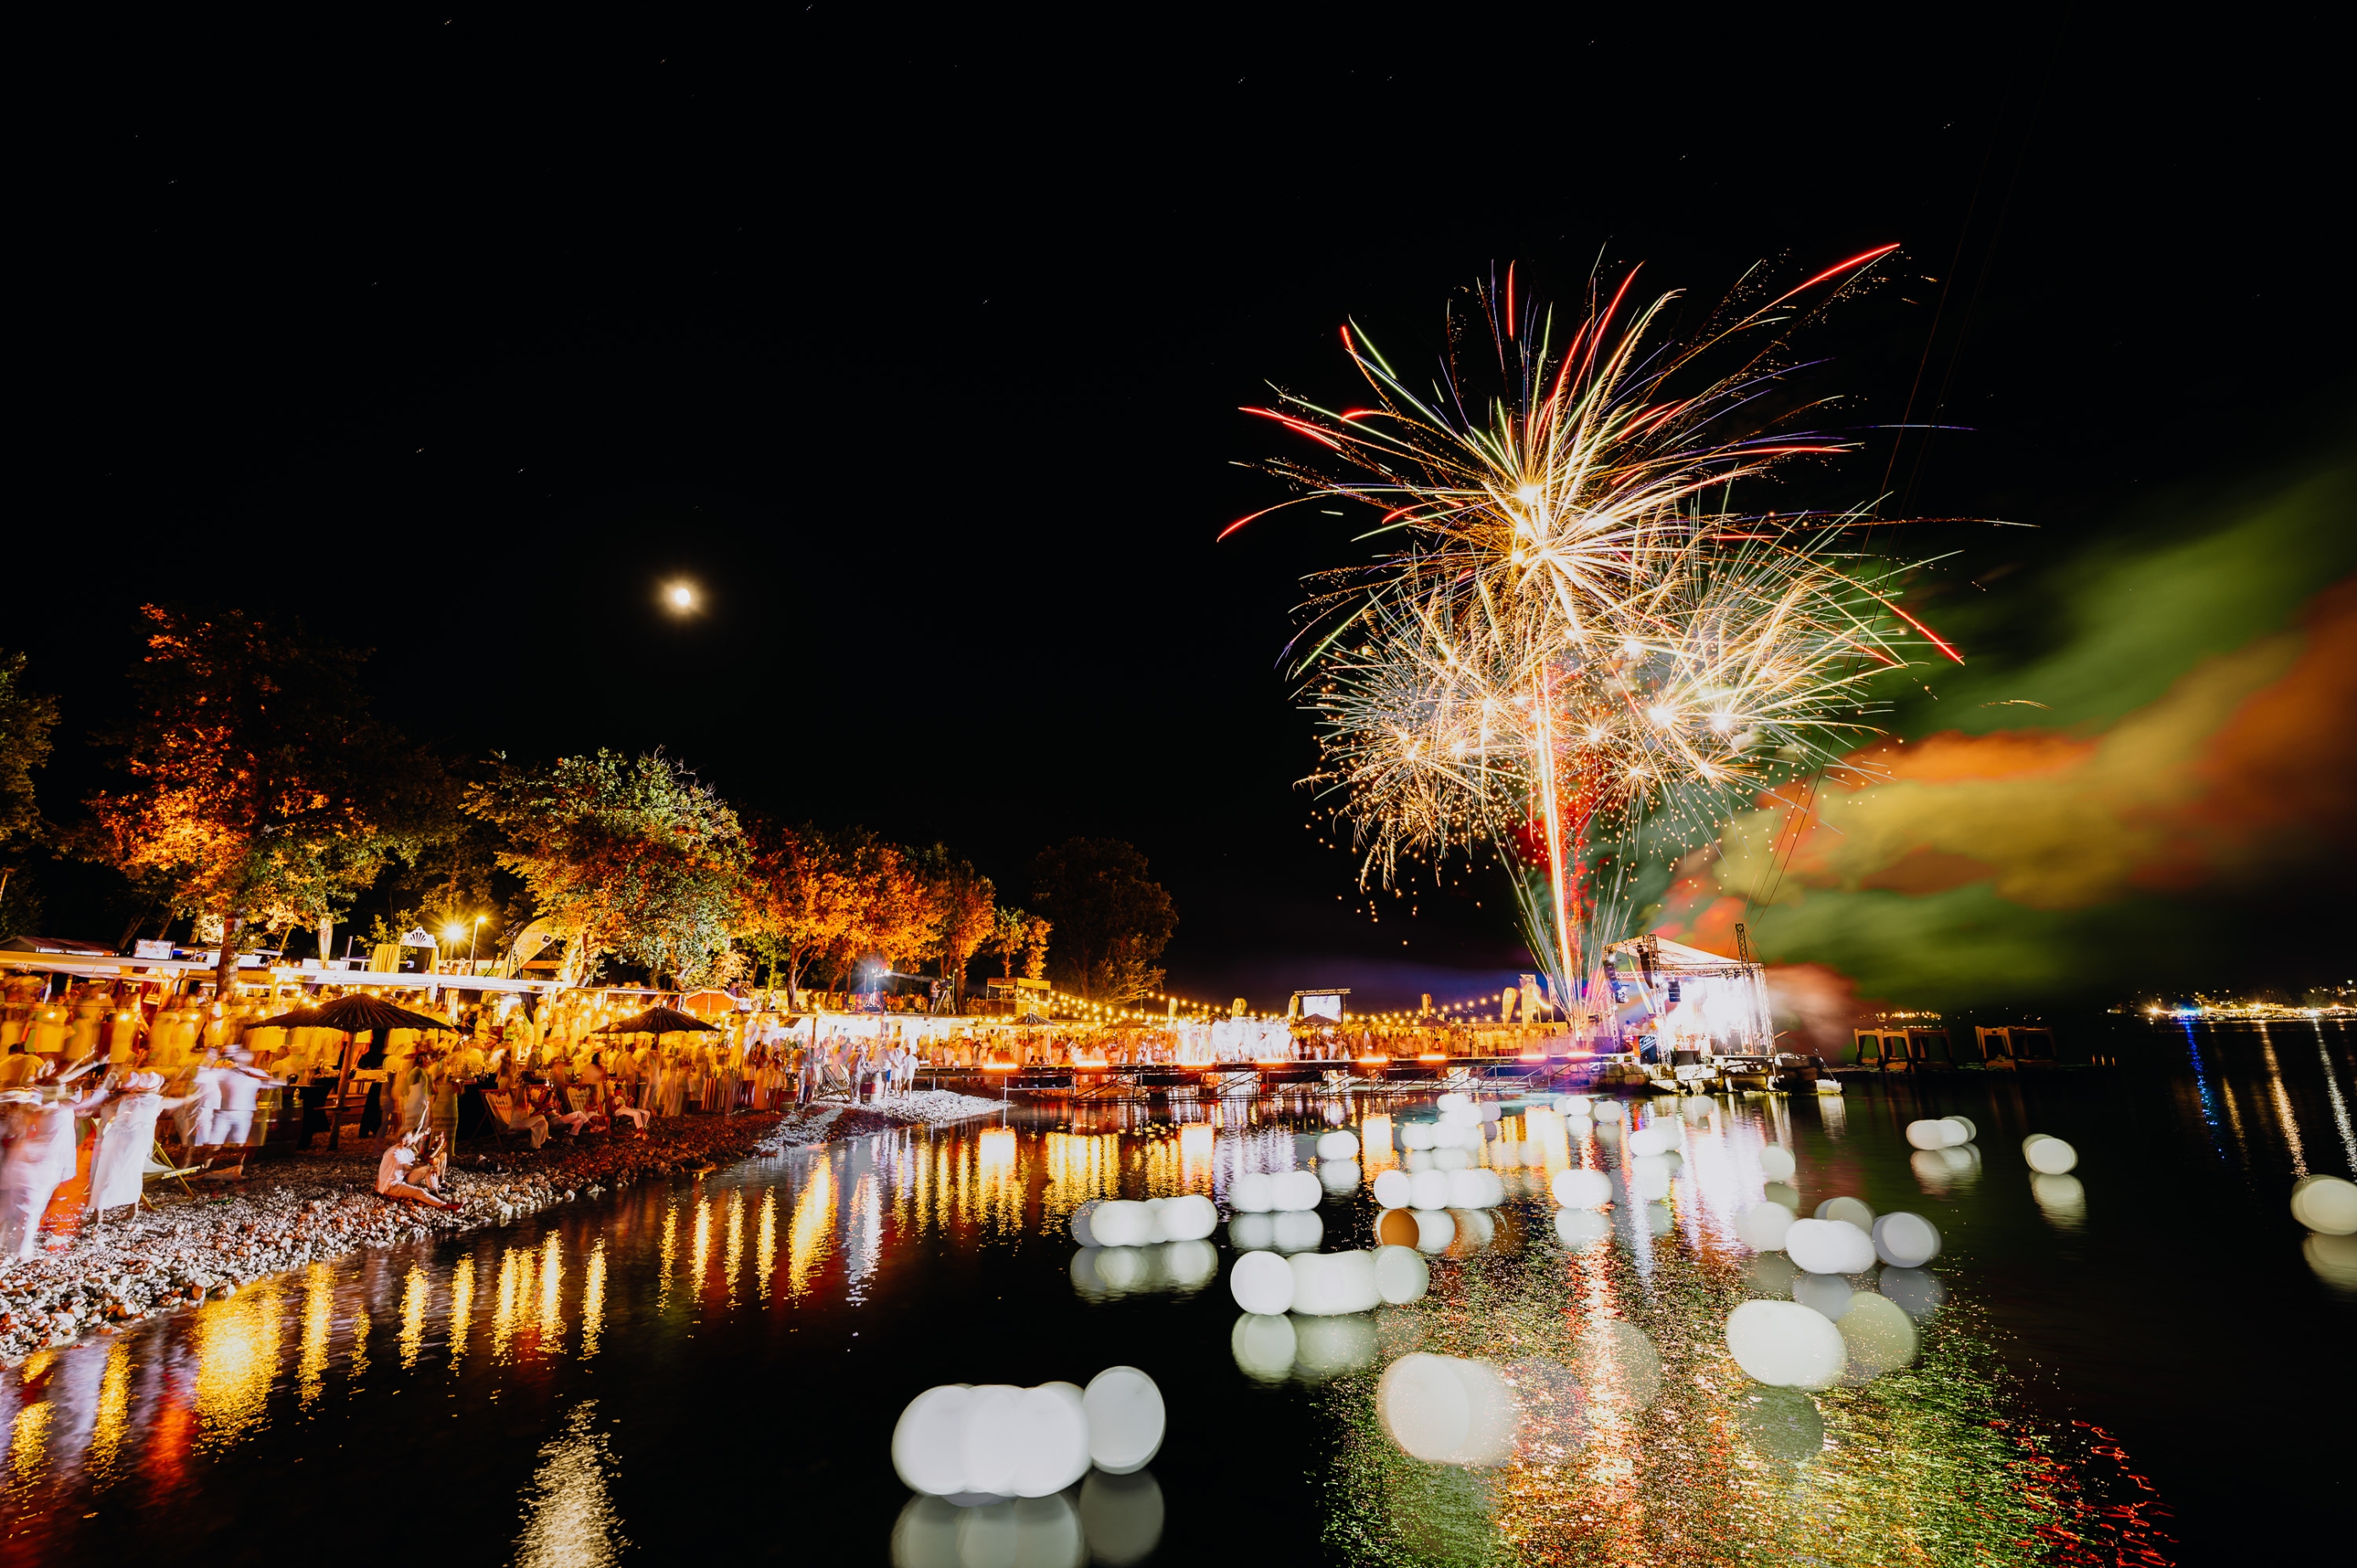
(80, 1136)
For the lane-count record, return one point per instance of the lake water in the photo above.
(2155, 1367)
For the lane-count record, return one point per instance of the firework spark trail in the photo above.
(1579, 652)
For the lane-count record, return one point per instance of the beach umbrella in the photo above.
(706, 1003)
(301, 1018)
(360, 1015)
(657, 1021)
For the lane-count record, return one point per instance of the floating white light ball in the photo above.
(1122, 1224)
(989, 1448)
(1648, 1141)
(1965, 1122)
(1126, 1420)
(1829, 1246)
(1295, 1191)
(1190, 1218)
(1080, 1222)
(1906, 1240)
(1776, 1163)
(1429, 1189)
(1933, 1134)
(2049, 1155)
(1262, 1283)
(1763, 1226)
(1582, 1188)
(1849, 1209)
(1417, 1135)
(1252, 1193)
(1392, 1188)
(2326, 1205)
(1337, 1146)
(1052, 1435)
(1339, 1178)
(1786, 1345)
(1326, 1284)
(929, 1443)
(1610, 1110)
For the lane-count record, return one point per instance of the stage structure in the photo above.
(1671, 997)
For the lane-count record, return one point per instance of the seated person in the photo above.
(618, 1106)
(411, 1170)
(544, 1099)
(517, 1117)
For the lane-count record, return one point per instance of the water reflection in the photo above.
(1635, 1440)
(571, 1522)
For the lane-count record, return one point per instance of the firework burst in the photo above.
(1577, 649)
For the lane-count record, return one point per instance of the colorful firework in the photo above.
(1581, 651)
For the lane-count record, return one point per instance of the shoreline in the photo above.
(316, 1207)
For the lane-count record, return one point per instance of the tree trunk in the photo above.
(225, 973)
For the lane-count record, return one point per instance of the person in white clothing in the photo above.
(241, 1088)
(127, 1138)
(411, 1170)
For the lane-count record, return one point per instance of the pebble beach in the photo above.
(288, 1212)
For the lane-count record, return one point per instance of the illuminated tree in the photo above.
(1035, 947)
(262, 791)
(964, 905)
(800, 898)
(1010, 932)
(628, 856)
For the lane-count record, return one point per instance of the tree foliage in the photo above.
(800, 899)
(1112, 920)
(27, 718)
(631, 856)
(963, 904)
(262, 791)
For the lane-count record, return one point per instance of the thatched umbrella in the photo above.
(356, 1015)
(658, 1022)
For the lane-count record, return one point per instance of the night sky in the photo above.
(918, 345)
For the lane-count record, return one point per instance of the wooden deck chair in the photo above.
(160, 1167)
(618, 1107)
(501, 1105)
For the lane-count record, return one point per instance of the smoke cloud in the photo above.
(2082, 821)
